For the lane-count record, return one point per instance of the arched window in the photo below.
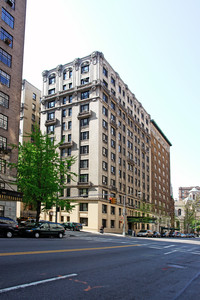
(179, 212)
(52, 79)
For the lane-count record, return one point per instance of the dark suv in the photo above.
(8, 227)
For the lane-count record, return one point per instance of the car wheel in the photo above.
(60, 235)
(37, 235)
(9, 234)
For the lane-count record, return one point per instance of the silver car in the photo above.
(145, 233)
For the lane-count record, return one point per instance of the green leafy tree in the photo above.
(191, 219)
(41, 172)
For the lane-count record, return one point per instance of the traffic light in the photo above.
(113, 200)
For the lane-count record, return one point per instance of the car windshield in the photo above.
(143, 231)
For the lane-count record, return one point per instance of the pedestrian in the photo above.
(133, 233)
(102, 229)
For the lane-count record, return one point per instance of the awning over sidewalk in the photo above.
(132, 219)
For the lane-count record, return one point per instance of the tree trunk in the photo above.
(38, 211)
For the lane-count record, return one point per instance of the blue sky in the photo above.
(152, 44)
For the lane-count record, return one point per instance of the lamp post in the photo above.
(124, 215)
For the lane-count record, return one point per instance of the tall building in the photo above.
(87, 105)
(162, 201)
(12, 28)
(30, 110)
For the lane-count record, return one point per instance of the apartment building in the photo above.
(30, 110)
(12, 27)
(183, 192)
(162, 201)
(86, 105)
(29, 117)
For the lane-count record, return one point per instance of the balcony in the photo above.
(113, 123)
(66, 145)
(5, 150)
(51, 122)
(130, 160)
(84, 114)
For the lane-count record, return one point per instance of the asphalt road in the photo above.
(89, 266)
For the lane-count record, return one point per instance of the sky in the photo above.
(154, 45)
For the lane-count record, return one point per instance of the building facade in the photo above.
(183, 192)
(87, 106)
(162, 201)
(12, 26)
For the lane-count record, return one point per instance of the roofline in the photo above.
(163, 135)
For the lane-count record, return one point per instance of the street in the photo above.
(87, 266)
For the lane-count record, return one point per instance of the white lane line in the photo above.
(198, 253)
(169, 246)
(170, 252)
(21, 286)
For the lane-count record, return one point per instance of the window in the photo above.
(113, 170)
(104, 111)
(112, 210)
(70, 112)
(113, 156)
(84, 107)
(52, 79)
(85, 95)
(83, 206)
(64, 75)
(105, 72)
(84, 164)
(51, 91)
(5, 58)
(105, 124)
(84, 135)
(112, 80)
(84, 149)
(112, 143)
(70, 73)
(84, 80)
(104, 166)
(33, 106)
(6, 37)
(105, 98)
(34, 96)
(3, 142)
(69, 138)
(105, 152)
(84, 69)
(3, 122)
(4, 99)
(112, 223)
(104, 209)
(70, 125)
(104, 138)
(51, 104)
(2, 166)
(84, 122)
(104, 223)
(84, 177)
(63, 126)
(105, 83)
(33, 117)
(83, 191)
(4, 78)
(50, 129)
(70, 98)
(112, 105)
(113, 131)
(64, 101)
(104, 180)
(51, 116)
(70, 85)
(64, 113)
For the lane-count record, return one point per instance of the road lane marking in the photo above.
(65, 250)
(169, 246)
(197, 253)
(170, 252)
(21, 286)
(152, 247)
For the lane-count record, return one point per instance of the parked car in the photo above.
(165, 234)
(180, 235)
(190, 235)
(145, 233)
(8, 227)
(156, 234)
(72, 226)
(42, 229)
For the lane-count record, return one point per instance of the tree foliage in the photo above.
(191, 219)
(41, 172)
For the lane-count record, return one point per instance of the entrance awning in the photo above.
(131, 219)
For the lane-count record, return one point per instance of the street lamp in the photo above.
(124, 214)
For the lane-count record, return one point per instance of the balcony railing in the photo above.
(50, 122)
(84, 114)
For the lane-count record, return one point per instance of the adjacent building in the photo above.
(183, 192)
(87, 106)
(12, 27)
(162, 201)
(29, 117)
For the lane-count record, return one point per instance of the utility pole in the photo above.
(124, 215)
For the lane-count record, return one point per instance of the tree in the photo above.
(41, 172)
(191, 218)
